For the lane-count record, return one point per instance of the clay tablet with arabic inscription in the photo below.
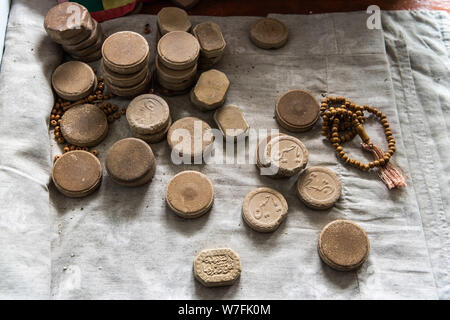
(217, 267)
(264, 209)
(148, 114)
(319, 188)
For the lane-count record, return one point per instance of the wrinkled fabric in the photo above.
(124, 243)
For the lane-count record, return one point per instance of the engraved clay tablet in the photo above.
(231, 121)
(190, 194)
(148, 114)
(319, 187)
(297, 110)
(286, 154)
(77, 173)
(178, 50)
(210, 91)
(217, 267)
(84, 125)
(130, 162)
(173, 19)
(268, 33)
(74, 80)
(264, 209)
(343, 245)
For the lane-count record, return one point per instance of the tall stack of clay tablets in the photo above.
(71, 25)
(176, 61)
(212, 43)
(172, 19)
(125, 63)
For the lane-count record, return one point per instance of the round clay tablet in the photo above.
(190, 136)
(148, 114)
(319, 187)
(173, 19)
(124, 80)
(343, 245)
(297, 110)
(190, 194)
(84, 125)
(217, 267)
(264, 209)
(268, 33)
(178, 50)
(174, 76)
(129, 91)
(210, 91)
(155, 137)
(96, 34)
(77, 173)
(130, 162)
(73, 80)
(125, 52)
(285, 153)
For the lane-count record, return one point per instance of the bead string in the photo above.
(342, 120)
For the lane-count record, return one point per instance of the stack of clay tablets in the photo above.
(319, 188)
(71, 25)
(297, 110)
(343, 245)
(231, 123)
(212, 43)
(217, 267)
(268, 33)
(264, 209)
(190, 138)
(210, 91)
(84, 125)
(176, 61)
(74, 80)
(172, 19)
(190, 194)
(281, 156)
(125, 63)
(77, 173)
(149, 117)
(130, 162)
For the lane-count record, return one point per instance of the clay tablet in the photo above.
(287, 155)
(148, 114)
(190, 136)
(130, 162)
(319, 187)
(268, 33)
(297, 110)
(210, 38)
(210, 91)
(217, 267)
(74, 80)
(77, 173)
(264, 209)
(173, 19)
(190, 194)
(178, 50)
(343, 245)
(231, 121)
(84, 125)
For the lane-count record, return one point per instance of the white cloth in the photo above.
(125, 243)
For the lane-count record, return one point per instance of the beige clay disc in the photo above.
(96, 34)
(210, 91)
(89, 58)
(174, 76)
(297, 110)
(210, 38)
(286, 153)
(343, 245)
(268, 33)
(129, 91)
(264, 209)
(190, 194)
(231, 121)
(63, 28)
(84, 125)
(154, 137)
(319, 187)
(178, 50)
(148, 114)
(124, 80)
(190, 136)
(94, 48)
(125, 52)
(173, 19)
(77, 173)
(217, 267)
(73, 80)
(130, 162)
